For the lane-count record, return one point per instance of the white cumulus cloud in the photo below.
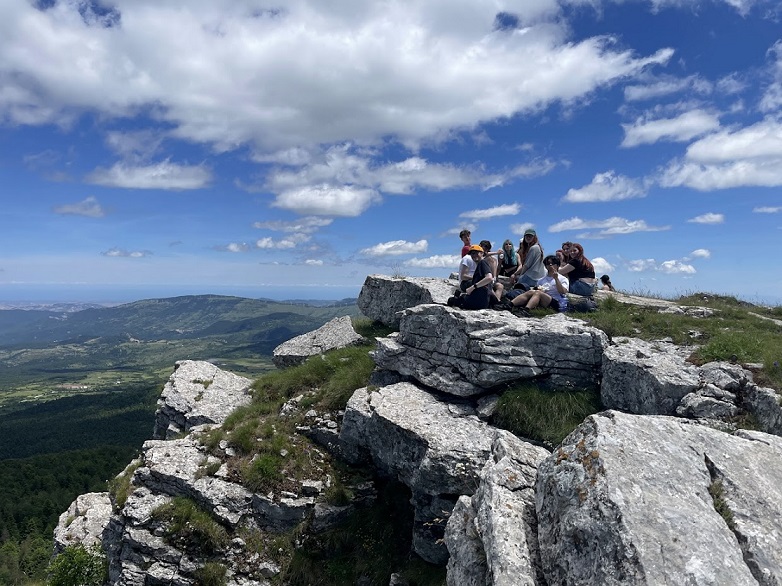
(164, 175)
(607, 186)
(709, 218)
(396, 247)
(438, 261)
(482, 214)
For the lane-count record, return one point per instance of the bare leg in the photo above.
(498, 289)
(541, 299)
(522, 299)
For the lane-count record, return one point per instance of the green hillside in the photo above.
(45, 355)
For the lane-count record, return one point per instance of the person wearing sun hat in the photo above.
(531, 253)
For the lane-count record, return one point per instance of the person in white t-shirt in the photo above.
(549, 292)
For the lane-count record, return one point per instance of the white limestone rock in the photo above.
(84, 522)
(626, 500)
(382, 297)
(646, 377)
(198, 393)
(338, 333)
(465, 353)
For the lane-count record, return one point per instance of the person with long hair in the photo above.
(531, 256)
(511, 260)
(579, 271)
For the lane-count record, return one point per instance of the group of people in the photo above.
(536, 280)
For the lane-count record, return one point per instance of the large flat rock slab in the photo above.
(630, 499)
(466, 353)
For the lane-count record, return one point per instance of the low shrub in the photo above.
(78, 566)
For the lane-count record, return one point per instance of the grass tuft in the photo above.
(543, 415)
(190, 526)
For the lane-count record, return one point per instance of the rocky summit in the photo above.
(661, 488)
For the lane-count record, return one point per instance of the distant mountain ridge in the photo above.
(170, 318)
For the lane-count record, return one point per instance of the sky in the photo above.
(288, 149)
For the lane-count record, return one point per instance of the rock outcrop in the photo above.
(630, 499)
(435, 448)
(655, 378)
(660, 489)
(382, 297)
(198, 393)
(338, 333)
(468, 353)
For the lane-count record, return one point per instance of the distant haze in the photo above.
(108, 294)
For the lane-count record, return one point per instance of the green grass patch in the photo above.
(544, 415)
(120, 486)
(189, 526)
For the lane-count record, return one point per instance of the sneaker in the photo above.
(520, 312)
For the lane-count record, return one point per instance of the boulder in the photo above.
(382, 298)
(646, 377)
(197, 393)
(434, 449)
(338, 333)
(467, 353)
(84, 521)
(492, 536)
(629, 499)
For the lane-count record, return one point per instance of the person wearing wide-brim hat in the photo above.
(531, 253)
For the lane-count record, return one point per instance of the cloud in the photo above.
(438, 261)
(666, 85)
(700, 253)
(221, 82)
(607, 186)
(602, 265)
(121, 253)
(767, 210)
(268, 243)
(88, 207)
(682, 128)
(306, 225)
(164, 175)
(709, 218)
(772, 97)
(670, 267)
(345, 201)
(749, 156)
(484, 214)
(353, 169)
(608, 227)
(313, 263)
(234, 247)
(396, 247)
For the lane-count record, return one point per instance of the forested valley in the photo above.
(78, 393)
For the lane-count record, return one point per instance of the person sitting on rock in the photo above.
(607, 285)
(531, 254)
(509, 259)
(478, 293)
(579, 271)
(550, 290)
(491, 258)
(466, 270)
(465, 237)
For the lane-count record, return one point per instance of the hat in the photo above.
(475, 248)
(530, 231)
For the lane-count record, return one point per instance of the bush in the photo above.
(79, 566)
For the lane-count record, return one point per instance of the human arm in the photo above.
(567, 269)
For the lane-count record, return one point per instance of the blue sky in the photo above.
(288, 149)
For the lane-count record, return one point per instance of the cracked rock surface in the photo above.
(630, 499)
